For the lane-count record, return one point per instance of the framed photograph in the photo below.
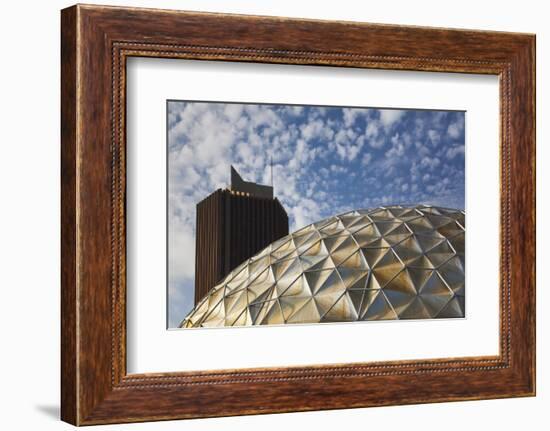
(346, 177)
(325, 214)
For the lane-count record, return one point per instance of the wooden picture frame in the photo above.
(95, 43)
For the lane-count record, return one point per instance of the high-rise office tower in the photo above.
(233, 224)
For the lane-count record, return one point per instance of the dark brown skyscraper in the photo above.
(233, 224)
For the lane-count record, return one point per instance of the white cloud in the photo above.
(350, 115)
(430, 162)
(455, 129)
(233, 111)
(347, 144)
(293, 111)
(244, 150)
(407, 140)
(181, 240)
(372, 129)
(454, 151)
(261, 115)
(397, 149)
(352, 152)
(422, 149)
(315, 128)
(377, 143)
(389, 116)
(307, 212)
(434, 137)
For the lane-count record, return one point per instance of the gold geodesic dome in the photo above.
(395, 262)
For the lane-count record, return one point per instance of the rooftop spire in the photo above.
(271, 164)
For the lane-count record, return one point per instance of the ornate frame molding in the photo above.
(96, 41)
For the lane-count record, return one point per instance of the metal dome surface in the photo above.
(392, 262)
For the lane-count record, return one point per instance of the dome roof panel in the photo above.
(393, 262)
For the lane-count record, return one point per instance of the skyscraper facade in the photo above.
(232, 225)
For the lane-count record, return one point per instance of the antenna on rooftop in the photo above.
(271, 164)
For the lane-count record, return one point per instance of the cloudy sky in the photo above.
(326, 160)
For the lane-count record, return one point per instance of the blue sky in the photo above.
(326, 160)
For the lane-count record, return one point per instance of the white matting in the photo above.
(153, 348)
